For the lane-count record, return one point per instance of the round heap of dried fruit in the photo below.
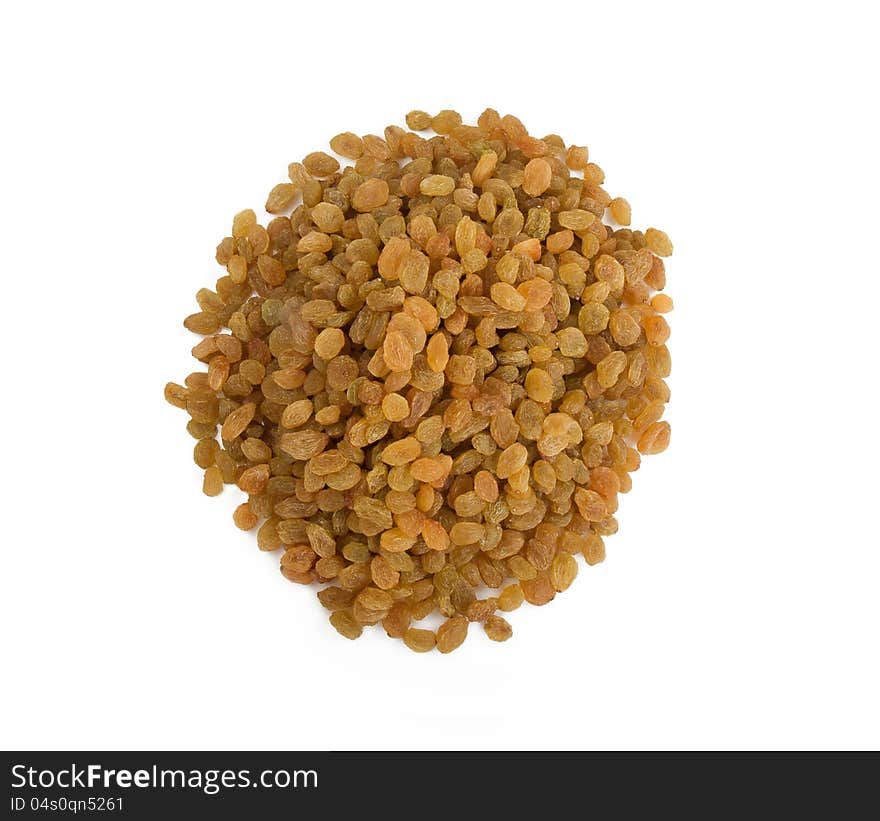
(441, 368)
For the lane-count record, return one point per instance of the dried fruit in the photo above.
(451, 634)
(620, 211)
(497, 628)
(537, 176)
(329, 342)
(658, 242)
(421, 641)
(432, 371)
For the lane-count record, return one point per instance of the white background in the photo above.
(738, 605)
